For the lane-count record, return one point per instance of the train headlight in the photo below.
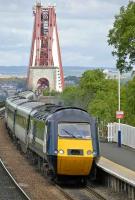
(89, 152)
(94, 154)
(61, 151)
(56, 152)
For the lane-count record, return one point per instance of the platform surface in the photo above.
(117, 170)
(120, 155)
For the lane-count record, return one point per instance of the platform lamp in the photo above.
(119, 129)
(119, 113)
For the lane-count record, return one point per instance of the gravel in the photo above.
(31, 181)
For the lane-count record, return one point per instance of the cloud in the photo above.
(83, 27)
(72, 57)
(89, 9)
(12, 58)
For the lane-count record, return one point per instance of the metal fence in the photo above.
(127, 134)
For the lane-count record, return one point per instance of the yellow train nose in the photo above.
(73, 157)
(68, 165)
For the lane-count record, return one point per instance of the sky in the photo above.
(83, 27)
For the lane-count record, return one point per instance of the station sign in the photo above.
(119, 114)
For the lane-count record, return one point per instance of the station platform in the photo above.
(120, 155)
(119, 164)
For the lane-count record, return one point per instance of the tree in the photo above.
(71, 96)
(122, 37)
(47, 92)
(90, 83)
(130, 103)
(105, 103)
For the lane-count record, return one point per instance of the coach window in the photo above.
(40, 130)
(34, 129)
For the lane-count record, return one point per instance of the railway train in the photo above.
(62, 140)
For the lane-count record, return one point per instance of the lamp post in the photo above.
(119, 129)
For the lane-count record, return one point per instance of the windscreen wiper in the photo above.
(69, 133)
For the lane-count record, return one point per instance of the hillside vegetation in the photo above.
(99, 96)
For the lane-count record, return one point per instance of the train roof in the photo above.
(27, 94)
(32, 104)
(14, 98)
(40, 110)
(29, 106)
(17, 101)
(43, 112)
(22, 95)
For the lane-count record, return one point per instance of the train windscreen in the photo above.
(74, 130)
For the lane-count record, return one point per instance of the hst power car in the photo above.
(62, 140)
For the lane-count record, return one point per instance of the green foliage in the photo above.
(73, 79)
(90, 83)
(99, 96)
(47, 92)
(122, 37)
(95, 94)
(71, 96)
(91, 80)
(105, 103)
(130, 103)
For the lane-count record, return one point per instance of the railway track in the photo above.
(2, 112)
(9, 188)
(81, 193)
(92, 190)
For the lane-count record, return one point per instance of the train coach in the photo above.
(63, 140)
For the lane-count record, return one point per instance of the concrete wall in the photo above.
(39, 72)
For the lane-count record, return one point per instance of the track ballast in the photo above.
(9, 189)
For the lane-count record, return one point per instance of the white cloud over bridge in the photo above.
(83, 27)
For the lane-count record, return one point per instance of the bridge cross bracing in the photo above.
(45, 65)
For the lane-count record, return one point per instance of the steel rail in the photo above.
(2, 111)
(66, 194)
(14, 181)
(91, 189)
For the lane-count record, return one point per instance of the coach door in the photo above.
(30, 132)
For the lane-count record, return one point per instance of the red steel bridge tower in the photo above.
(45, 65)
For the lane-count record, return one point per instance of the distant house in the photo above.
(113, 74)
(71, 80)
(133, 72)
(110, 74)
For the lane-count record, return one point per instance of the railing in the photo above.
(127, 134)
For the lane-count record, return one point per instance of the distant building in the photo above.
(133, 72)
(109, 74)
(71, 80)
(113, 74)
